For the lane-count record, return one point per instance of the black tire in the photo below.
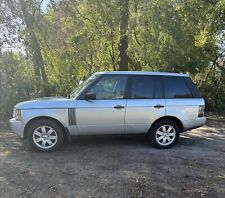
(57, 130)
(154, 138)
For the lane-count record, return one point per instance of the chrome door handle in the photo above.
(158, 106)
(119, 107)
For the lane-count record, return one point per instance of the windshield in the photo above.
(84, 84)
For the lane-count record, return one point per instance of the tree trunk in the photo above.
(38, 59)
(123, 45)
(39, 67)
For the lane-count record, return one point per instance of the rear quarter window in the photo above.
(176, 87)
(195, 92)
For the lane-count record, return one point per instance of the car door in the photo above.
(180, 101)
(145, 103)
(105, 113)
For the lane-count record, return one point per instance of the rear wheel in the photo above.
(164, 134)
(45, 135)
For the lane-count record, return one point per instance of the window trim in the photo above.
(127, 93)
(160, 79)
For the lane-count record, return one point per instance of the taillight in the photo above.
(201, 111)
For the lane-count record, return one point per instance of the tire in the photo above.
(164, 134)
(45, 135)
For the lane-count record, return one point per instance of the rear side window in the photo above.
(176, 87)
(194, 89)
(145, 87)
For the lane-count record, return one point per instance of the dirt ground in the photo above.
(117, 166)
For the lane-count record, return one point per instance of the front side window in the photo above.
(82, 86)
(110, 87)
(176, 87)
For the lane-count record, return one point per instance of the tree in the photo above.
(123, 45)
(29, 13)
(29, 20)
(70, 40)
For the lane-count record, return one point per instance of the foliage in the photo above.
(48, 51)
(16, 80)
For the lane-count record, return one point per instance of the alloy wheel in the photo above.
(45, 137)
(165, 135)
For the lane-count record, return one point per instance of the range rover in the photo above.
(158, 104)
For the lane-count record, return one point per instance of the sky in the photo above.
(44, 5)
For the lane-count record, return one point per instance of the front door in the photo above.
(105, 114)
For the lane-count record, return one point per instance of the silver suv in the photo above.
(161, 105)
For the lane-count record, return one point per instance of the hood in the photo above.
(47, 103)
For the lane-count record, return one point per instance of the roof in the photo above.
(145, 73)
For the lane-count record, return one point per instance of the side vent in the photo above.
(72, 116)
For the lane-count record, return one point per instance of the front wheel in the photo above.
(164, 134)
(45, 135)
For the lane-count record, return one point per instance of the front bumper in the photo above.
(17, 127)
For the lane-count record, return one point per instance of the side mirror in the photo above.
(90, 96)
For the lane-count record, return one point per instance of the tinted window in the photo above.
(176, 87)
(142, 87)
(110, 87)
(194, 89)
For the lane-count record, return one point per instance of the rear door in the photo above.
(181, 101)
(145, 103)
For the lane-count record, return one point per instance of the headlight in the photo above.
(17, 114)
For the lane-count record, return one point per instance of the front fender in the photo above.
(60, 115)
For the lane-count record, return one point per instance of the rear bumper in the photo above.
(17, 127)
(195, 123)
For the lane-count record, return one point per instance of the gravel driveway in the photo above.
(117, 166)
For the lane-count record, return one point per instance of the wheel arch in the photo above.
(30, 122)
(175, 119)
